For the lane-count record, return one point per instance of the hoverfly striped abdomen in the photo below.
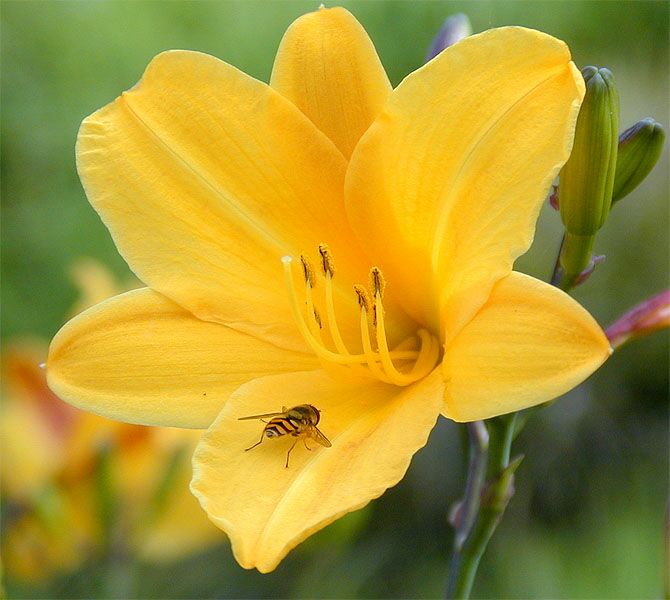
(282, 426)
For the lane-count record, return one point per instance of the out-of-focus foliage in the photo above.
(587, 517)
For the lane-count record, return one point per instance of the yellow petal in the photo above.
(455, 168)
(267, 509)
(141, 358)
(328, 67)
(206, 178)
(528, 344)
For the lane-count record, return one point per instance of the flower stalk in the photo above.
(493, 494)
(465, 513)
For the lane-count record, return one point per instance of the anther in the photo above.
(377, 283)
(308, 271)
(327, 263)
(378, 362)
(363, 297)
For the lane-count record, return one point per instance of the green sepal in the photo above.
(640, 147)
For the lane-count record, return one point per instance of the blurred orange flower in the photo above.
(74, 483)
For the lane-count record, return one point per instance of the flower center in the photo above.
(398, 367)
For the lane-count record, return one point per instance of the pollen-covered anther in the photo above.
(377, 281)
(363, 297)
(308, 271)
(327, 262)
(376, 360)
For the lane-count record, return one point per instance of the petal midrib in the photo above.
(201, 176)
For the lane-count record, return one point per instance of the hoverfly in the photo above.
(300, 421)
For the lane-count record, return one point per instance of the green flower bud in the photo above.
(640, 147)
(587, 179)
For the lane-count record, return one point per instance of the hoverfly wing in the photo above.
(265, 416)
(319, 437)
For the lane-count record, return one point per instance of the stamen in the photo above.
(314, 320)
(363, 297)
(419, 370)
(317, 318)
(308, 271)
(327, 262)
(377, 282)
(377, 363)
(428, 358)
(367, 346)
(320, 350)
(328, 271)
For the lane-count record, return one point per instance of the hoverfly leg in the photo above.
(304, 441)
(257, 443)
(289, 452)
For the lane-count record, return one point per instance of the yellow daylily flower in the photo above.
(327, 240)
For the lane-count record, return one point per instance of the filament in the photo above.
(379, 362)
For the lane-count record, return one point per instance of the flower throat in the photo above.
(376, 360)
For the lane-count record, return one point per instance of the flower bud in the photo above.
(640, 147)
(455, 28)
(587, 179)
(648, 316)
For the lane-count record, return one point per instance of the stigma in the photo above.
(319, 327)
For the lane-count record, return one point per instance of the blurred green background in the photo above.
(587, 520)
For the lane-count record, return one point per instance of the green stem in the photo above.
(576, 254)
(502, 435)
(494, 498)
(466, 513)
